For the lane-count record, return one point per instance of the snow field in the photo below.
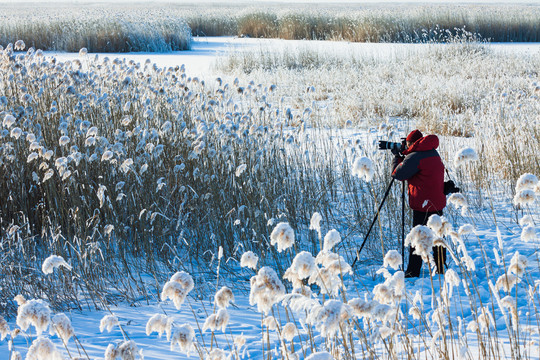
(484, 308)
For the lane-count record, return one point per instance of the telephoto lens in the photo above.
(388, 145)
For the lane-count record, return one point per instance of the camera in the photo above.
(450, 187)
(393, 146)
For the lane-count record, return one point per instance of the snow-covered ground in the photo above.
(486, 247)
(245, 320)
(202, 57)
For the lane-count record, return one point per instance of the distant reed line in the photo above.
(162, 28)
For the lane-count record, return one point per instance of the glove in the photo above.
(396, 152)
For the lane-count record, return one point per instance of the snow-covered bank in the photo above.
(200, 60)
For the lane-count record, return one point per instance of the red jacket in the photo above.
(423, 169)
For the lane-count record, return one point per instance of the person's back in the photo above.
(423, 169)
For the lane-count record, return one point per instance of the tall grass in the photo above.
(130, 168)
(168, 27)
(76, 28)
(463, 90)
(485, 306)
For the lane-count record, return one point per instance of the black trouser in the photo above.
(439, 252)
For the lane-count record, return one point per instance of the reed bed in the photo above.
(126, 172)
(169, 27)
(105, 160)
(485, 306)
(462, 90)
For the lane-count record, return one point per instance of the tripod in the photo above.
(377, 215)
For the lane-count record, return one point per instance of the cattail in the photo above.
(184, 279)
(485, 319)
(220, 252)
(528, 233)
(183, 336)
(421, 238)
(465, 229)
(126, 165)
(465, 155)
(36, 313)
(43, 348)
(249, 259)
(289, 331)
(16, 133)
(108, 322)
(472, 326)
(48, 174)
(415, 312)
(526, 182)
(458, 200)
(9, 120)
(326, 318)
(240, 169)
(283, 236)
(128, 350)
(31, 157)
(92, 132)
(223, 297)
(526, 220)
(363, 168)
(108, 229)
(362, 308)
(452, 279)
(83, 52)
(216, 321)
(266, 289)
(61, 326)
(112, 352)
(31, 138)
(19, 45)
(328, 281)
(270, 323)
(240, 340)
(303, 265)
(315, 223)
(392, 259)
(216, 354)
(510, 303)
(175, 292)
(20, 300)
(64, 140)
(524, 197)
(434, 222)
(4, 328)
(518, 264)
(107, 155)
(331, 239)
(159, 323)
(53, 262)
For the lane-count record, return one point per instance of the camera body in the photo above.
(395, 147)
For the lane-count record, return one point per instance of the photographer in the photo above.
(418, 162)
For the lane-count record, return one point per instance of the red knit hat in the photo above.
(414, 136)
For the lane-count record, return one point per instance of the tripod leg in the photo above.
(373, 222)
(403, 224)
